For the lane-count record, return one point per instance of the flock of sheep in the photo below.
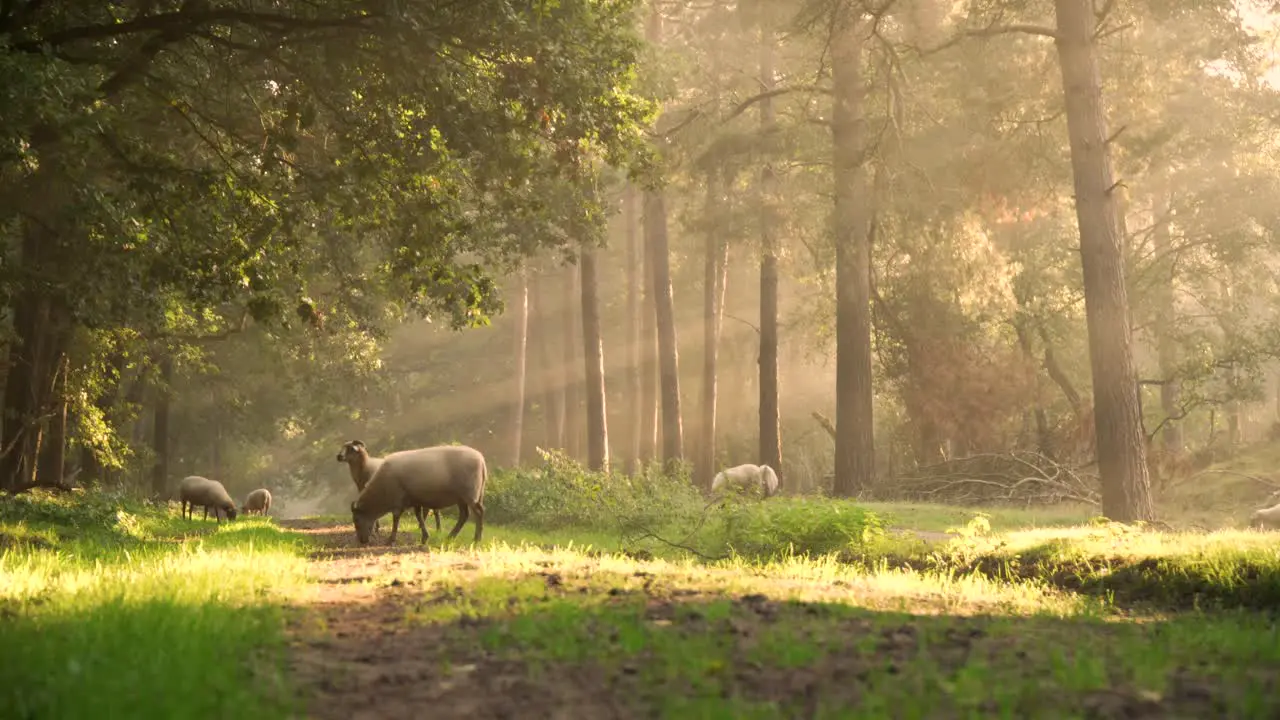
(423, 480)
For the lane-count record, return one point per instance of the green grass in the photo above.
(110, 608)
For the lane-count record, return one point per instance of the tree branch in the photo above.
(188, 21)
(760, 97)
(992, 31)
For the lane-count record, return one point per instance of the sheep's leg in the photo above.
(422, 524)
(395, 526)
(462, 520)
(436, 512)
(206, 512)
(184, 509)
(478, 509)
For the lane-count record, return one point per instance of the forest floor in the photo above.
(504, 631)
(111, 607)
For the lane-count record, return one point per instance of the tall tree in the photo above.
(655, 218)
(593, 356)
(519, 401)
(160, 431)
(635, 353)
(855, 445)
(770, 413)
(715, 279)
(572, 381)
(1122, 460)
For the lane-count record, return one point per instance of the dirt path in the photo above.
(356, 656)
(400, 632)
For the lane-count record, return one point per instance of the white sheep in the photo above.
(363, 465)
(433, 477)
(200, 491)
(748, 478)
(258, 501)
(1266, 518)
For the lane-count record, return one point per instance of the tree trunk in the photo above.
(160, 431)
(715, 264)
(572, 363)
(855, 447)
(1121, 447)
(522, 354)
(635, 353)
(550, 375)
(770, 421)
(668, 354)
(53, 455)
(1166, 316)
(593, 356)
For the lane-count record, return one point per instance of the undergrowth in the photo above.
(111, 607)
(666, 509)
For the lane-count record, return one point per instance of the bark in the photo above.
(552, 393)
(593, 357)
(855, 450)
(53, 446)
(649, 406)
(160, 431)
(518, 402)
(770, 430)
(635, 354)
(715, 267)
(1121, 447)
(572, 401)
(668, 354)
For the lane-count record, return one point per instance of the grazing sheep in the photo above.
(199, 491)
(363, 466)
(748, 478)
(1266, 519)
(433, 477)
(258, 501)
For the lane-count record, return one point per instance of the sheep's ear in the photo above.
(353, 506)
(357, 443)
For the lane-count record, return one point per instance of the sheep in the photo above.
(258, 501)
(748, 478)
(1266, 519)
(432, 477)
(363, 466)
(195, 490)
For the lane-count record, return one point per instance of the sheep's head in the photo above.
(231, 512)
(363, 523)
(351, 451)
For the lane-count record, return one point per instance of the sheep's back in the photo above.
(438, 476)
(203, 491)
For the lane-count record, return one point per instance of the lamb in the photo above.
(363, 466)
(258, 501)
(1266, 519)
(432, 477)
(748, 478)
(195, 490)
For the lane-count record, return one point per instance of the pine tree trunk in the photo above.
(770, 421)
(668, 354)
(715, 263)
(855, 450)
(519, 401)
(572, 364)
(1121, 446)
(160, 432)
(593, 356)
(635, 351)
